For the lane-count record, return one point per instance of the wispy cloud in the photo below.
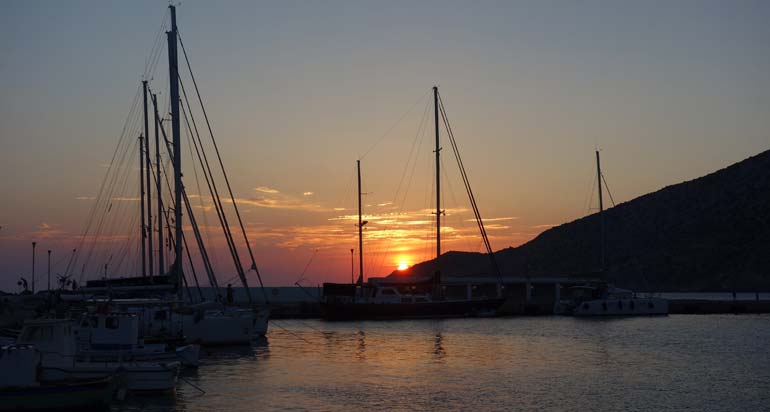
(265, 189)
(494, 219)
(308, 194)
(544, 226)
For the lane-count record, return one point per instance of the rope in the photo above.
(227, 182)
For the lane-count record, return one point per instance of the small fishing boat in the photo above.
(22, 391)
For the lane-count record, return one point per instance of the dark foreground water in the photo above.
(679, 362)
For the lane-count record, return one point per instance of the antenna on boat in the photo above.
(601, 208)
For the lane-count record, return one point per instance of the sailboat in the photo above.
(605, 299)
(159, 299)
(380, 299)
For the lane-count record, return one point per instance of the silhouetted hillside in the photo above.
(711, 233)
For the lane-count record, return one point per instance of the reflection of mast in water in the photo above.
(361, 345)
(438, 347)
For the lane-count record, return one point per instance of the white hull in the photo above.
(225, 327)
(135, 376)
(622, 307)
(188, 355)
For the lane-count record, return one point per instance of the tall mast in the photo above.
(173, 77)
(141, 205)
(147, 177)
(161, 262)
(34, 244)
(49, 270)
(601, 207)
(360, 229)
(438, 175)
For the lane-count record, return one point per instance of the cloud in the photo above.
(493, 219)
(85, 197)
(281, 202)
(265, 189)
(308, 194)
(544, 226)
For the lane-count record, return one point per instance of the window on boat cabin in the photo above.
(387, 292)
(406, 300)
(420, 300)
(111, 322)
(160, 315)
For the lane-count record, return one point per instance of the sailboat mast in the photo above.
(438, 175)
(141, 205)
(161, 262)
(148, 172)
(173, 77)
(360, 229)
(601, 207)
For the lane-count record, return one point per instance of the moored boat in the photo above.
(55, 341)
(22, 390)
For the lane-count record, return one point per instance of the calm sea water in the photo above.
(679, 362)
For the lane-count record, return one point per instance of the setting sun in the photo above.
(403, 265)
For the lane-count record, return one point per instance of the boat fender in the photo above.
(198, 316)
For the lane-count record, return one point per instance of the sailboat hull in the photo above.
(622, 307)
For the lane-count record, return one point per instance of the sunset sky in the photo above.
(297, 91)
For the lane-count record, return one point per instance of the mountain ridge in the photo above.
(709, 233)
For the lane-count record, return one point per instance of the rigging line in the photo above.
(105, 200)
(590, 198)
(157, 40)
(107, 204)
(193, 222)
(198, 184)
(393, 126)
(187, 249)
(476, 211)
(119, 213)
(200, 193)
(275, 323)
(608, 189)
(302, 275)
(227, 181)
(95, 207)
(215, 196)
(418, 140)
